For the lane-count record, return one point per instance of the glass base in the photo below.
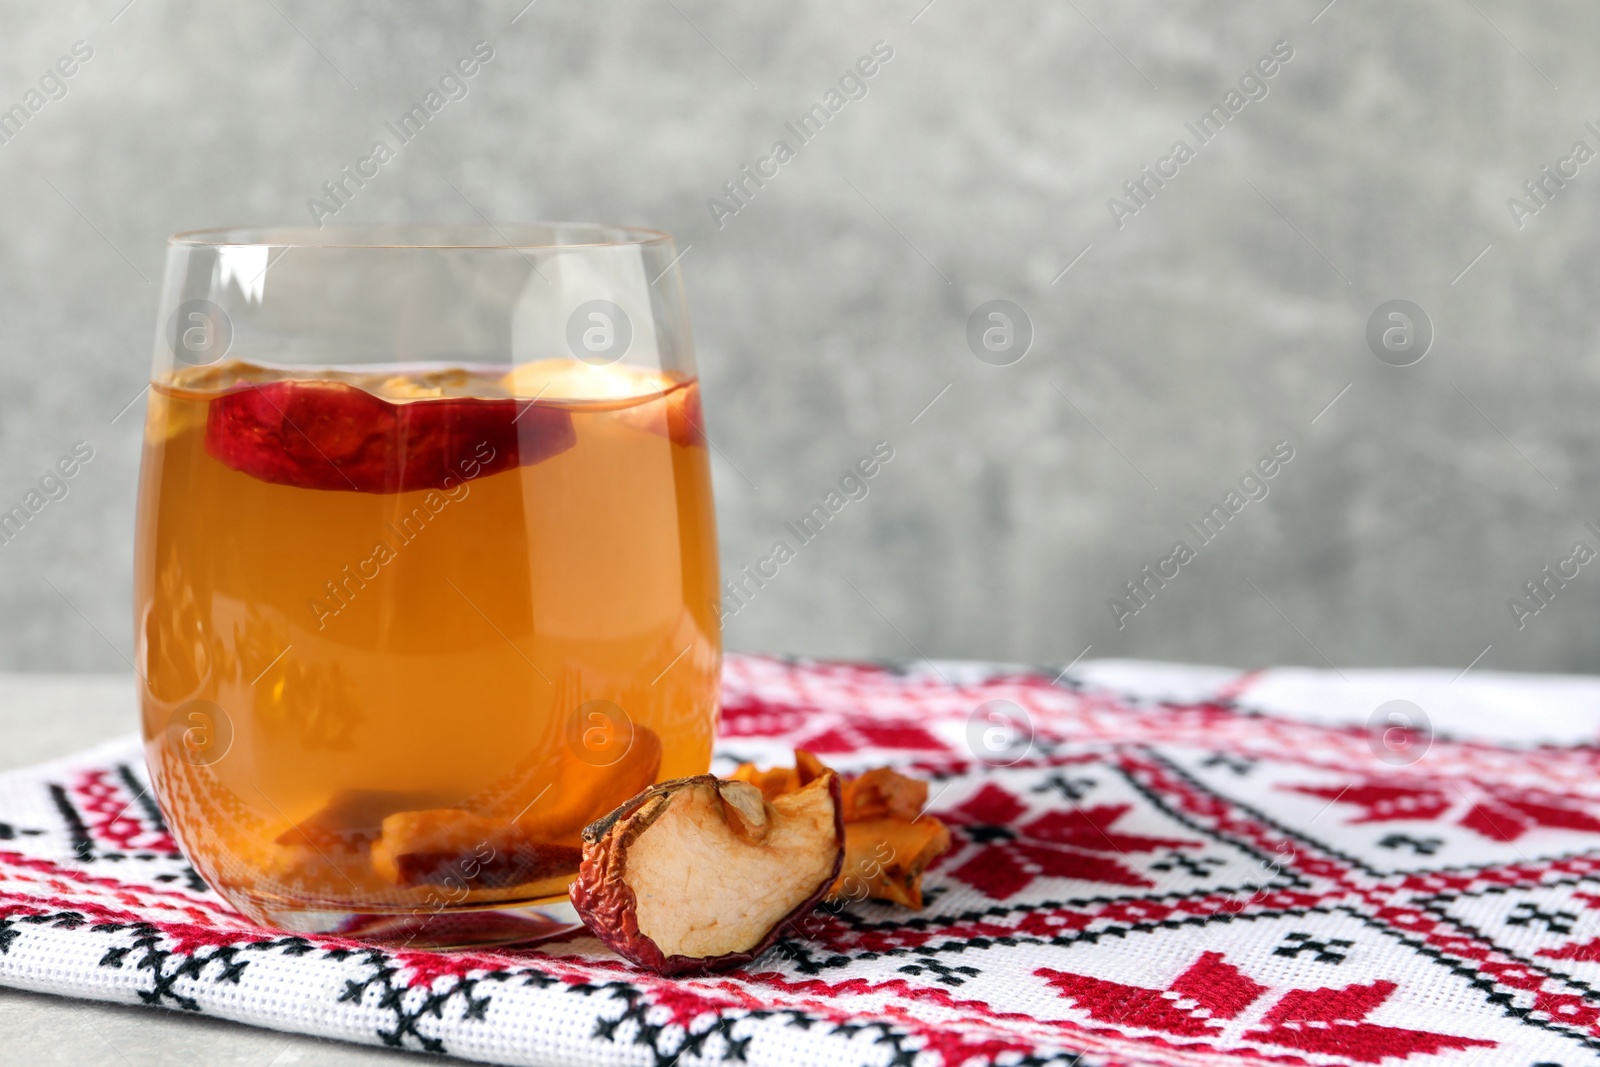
(464, 926)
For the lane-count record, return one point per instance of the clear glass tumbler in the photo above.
(426, 570)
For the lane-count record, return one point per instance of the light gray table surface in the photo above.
(47, 715)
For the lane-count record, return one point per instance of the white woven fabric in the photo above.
(1180, 866)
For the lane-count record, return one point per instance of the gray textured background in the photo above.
(1224, 317)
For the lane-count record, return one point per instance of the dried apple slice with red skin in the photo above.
(328, 435)
(450, 846)
(354, 817)
(888, 841)
(803, 830)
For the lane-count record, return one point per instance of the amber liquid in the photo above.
(505, 650)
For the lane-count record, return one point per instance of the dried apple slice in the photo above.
(776, 781)
(773, 782)
(647, 400)
(884, 859)
(685, 419)
(352, 818)
(448, 846)
(330, 435)
(888, 841)
(700, 874)
(675, 416)
(573, 379)
(882, 793)
(521, 830)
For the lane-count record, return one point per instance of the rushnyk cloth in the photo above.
(1185, 866)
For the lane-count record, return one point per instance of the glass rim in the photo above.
(393, 235)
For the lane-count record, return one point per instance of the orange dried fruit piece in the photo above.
(352, 817)
(702, 874)
(888, 841)
(776, 781)
(521, 831)
(884, 859)
(447, 846)
(773, 782)
(882, 793)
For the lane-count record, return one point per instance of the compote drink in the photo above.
(403, 632)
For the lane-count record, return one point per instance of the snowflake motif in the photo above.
(1079, 843)
(1499, 813)
(1202, 1000)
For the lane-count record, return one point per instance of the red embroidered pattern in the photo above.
(1146, 883)
(108, 806)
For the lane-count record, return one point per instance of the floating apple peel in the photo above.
(320, 434)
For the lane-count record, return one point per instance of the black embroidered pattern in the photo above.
(82, 843)
(1199, 867)
(1299, 942)
(142, 796)
(1239, 765)
(1422, 846)
(167, 967)
(411, 1004)
(635, 1022)
(1069, 788)
(1527, 913)
(942, 972)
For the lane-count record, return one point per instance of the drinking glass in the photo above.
(426, 570)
